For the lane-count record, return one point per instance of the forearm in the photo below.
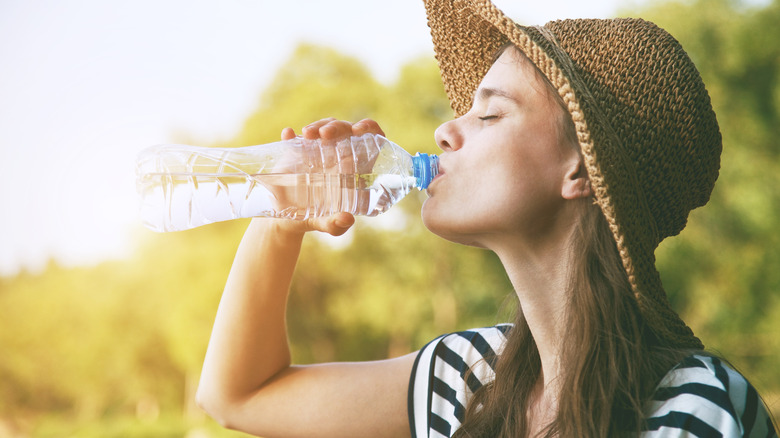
(249, 343)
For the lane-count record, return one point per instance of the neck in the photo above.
(541, 291)
(540, 274)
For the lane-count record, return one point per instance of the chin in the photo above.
(446, 228)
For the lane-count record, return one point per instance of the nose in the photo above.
(448, 136)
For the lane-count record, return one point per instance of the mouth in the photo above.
(436, 178)
(440, 172)
(440, 169)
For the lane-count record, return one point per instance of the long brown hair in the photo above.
(611, 360)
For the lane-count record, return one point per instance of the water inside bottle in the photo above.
(181, 201)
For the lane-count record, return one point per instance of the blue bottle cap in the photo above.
(425, 168)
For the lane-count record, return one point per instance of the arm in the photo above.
(248, 382)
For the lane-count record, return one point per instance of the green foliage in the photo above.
(317, 82)
(394, 290)
(104, 341)
(116, 349)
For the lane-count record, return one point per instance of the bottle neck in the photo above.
(425, 167)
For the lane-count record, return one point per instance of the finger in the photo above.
(312, 130)
(341, 223)
(288, 134)
(335, 130)
(366, 126)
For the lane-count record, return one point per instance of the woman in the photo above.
(577, 148)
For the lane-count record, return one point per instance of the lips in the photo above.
(441, 167)
(437, 177)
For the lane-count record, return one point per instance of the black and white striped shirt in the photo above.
(701, 397)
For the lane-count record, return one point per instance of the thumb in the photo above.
(335, 225)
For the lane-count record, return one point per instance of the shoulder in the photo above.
(469, 345)
(446, 373)
(462, 351)
(703, 396)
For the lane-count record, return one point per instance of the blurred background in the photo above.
(103, 324)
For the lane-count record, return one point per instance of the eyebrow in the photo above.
(488, 92)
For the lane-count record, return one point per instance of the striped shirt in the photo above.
(700, 397)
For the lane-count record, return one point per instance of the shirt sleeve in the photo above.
(702, 397)
(445, 375)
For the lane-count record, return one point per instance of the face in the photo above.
(503, 163)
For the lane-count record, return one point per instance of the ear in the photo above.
(576, 183)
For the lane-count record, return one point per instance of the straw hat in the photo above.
(648, 134)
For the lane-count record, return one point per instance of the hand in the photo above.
(331, 132)
(327, 149)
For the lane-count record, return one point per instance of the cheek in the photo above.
(522, 188)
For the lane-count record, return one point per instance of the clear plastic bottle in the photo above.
(183, 187)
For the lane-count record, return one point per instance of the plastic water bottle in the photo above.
(183, 187)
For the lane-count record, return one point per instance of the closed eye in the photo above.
(488, 117)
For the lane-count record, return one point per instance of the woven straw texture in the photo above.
(646, 128)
